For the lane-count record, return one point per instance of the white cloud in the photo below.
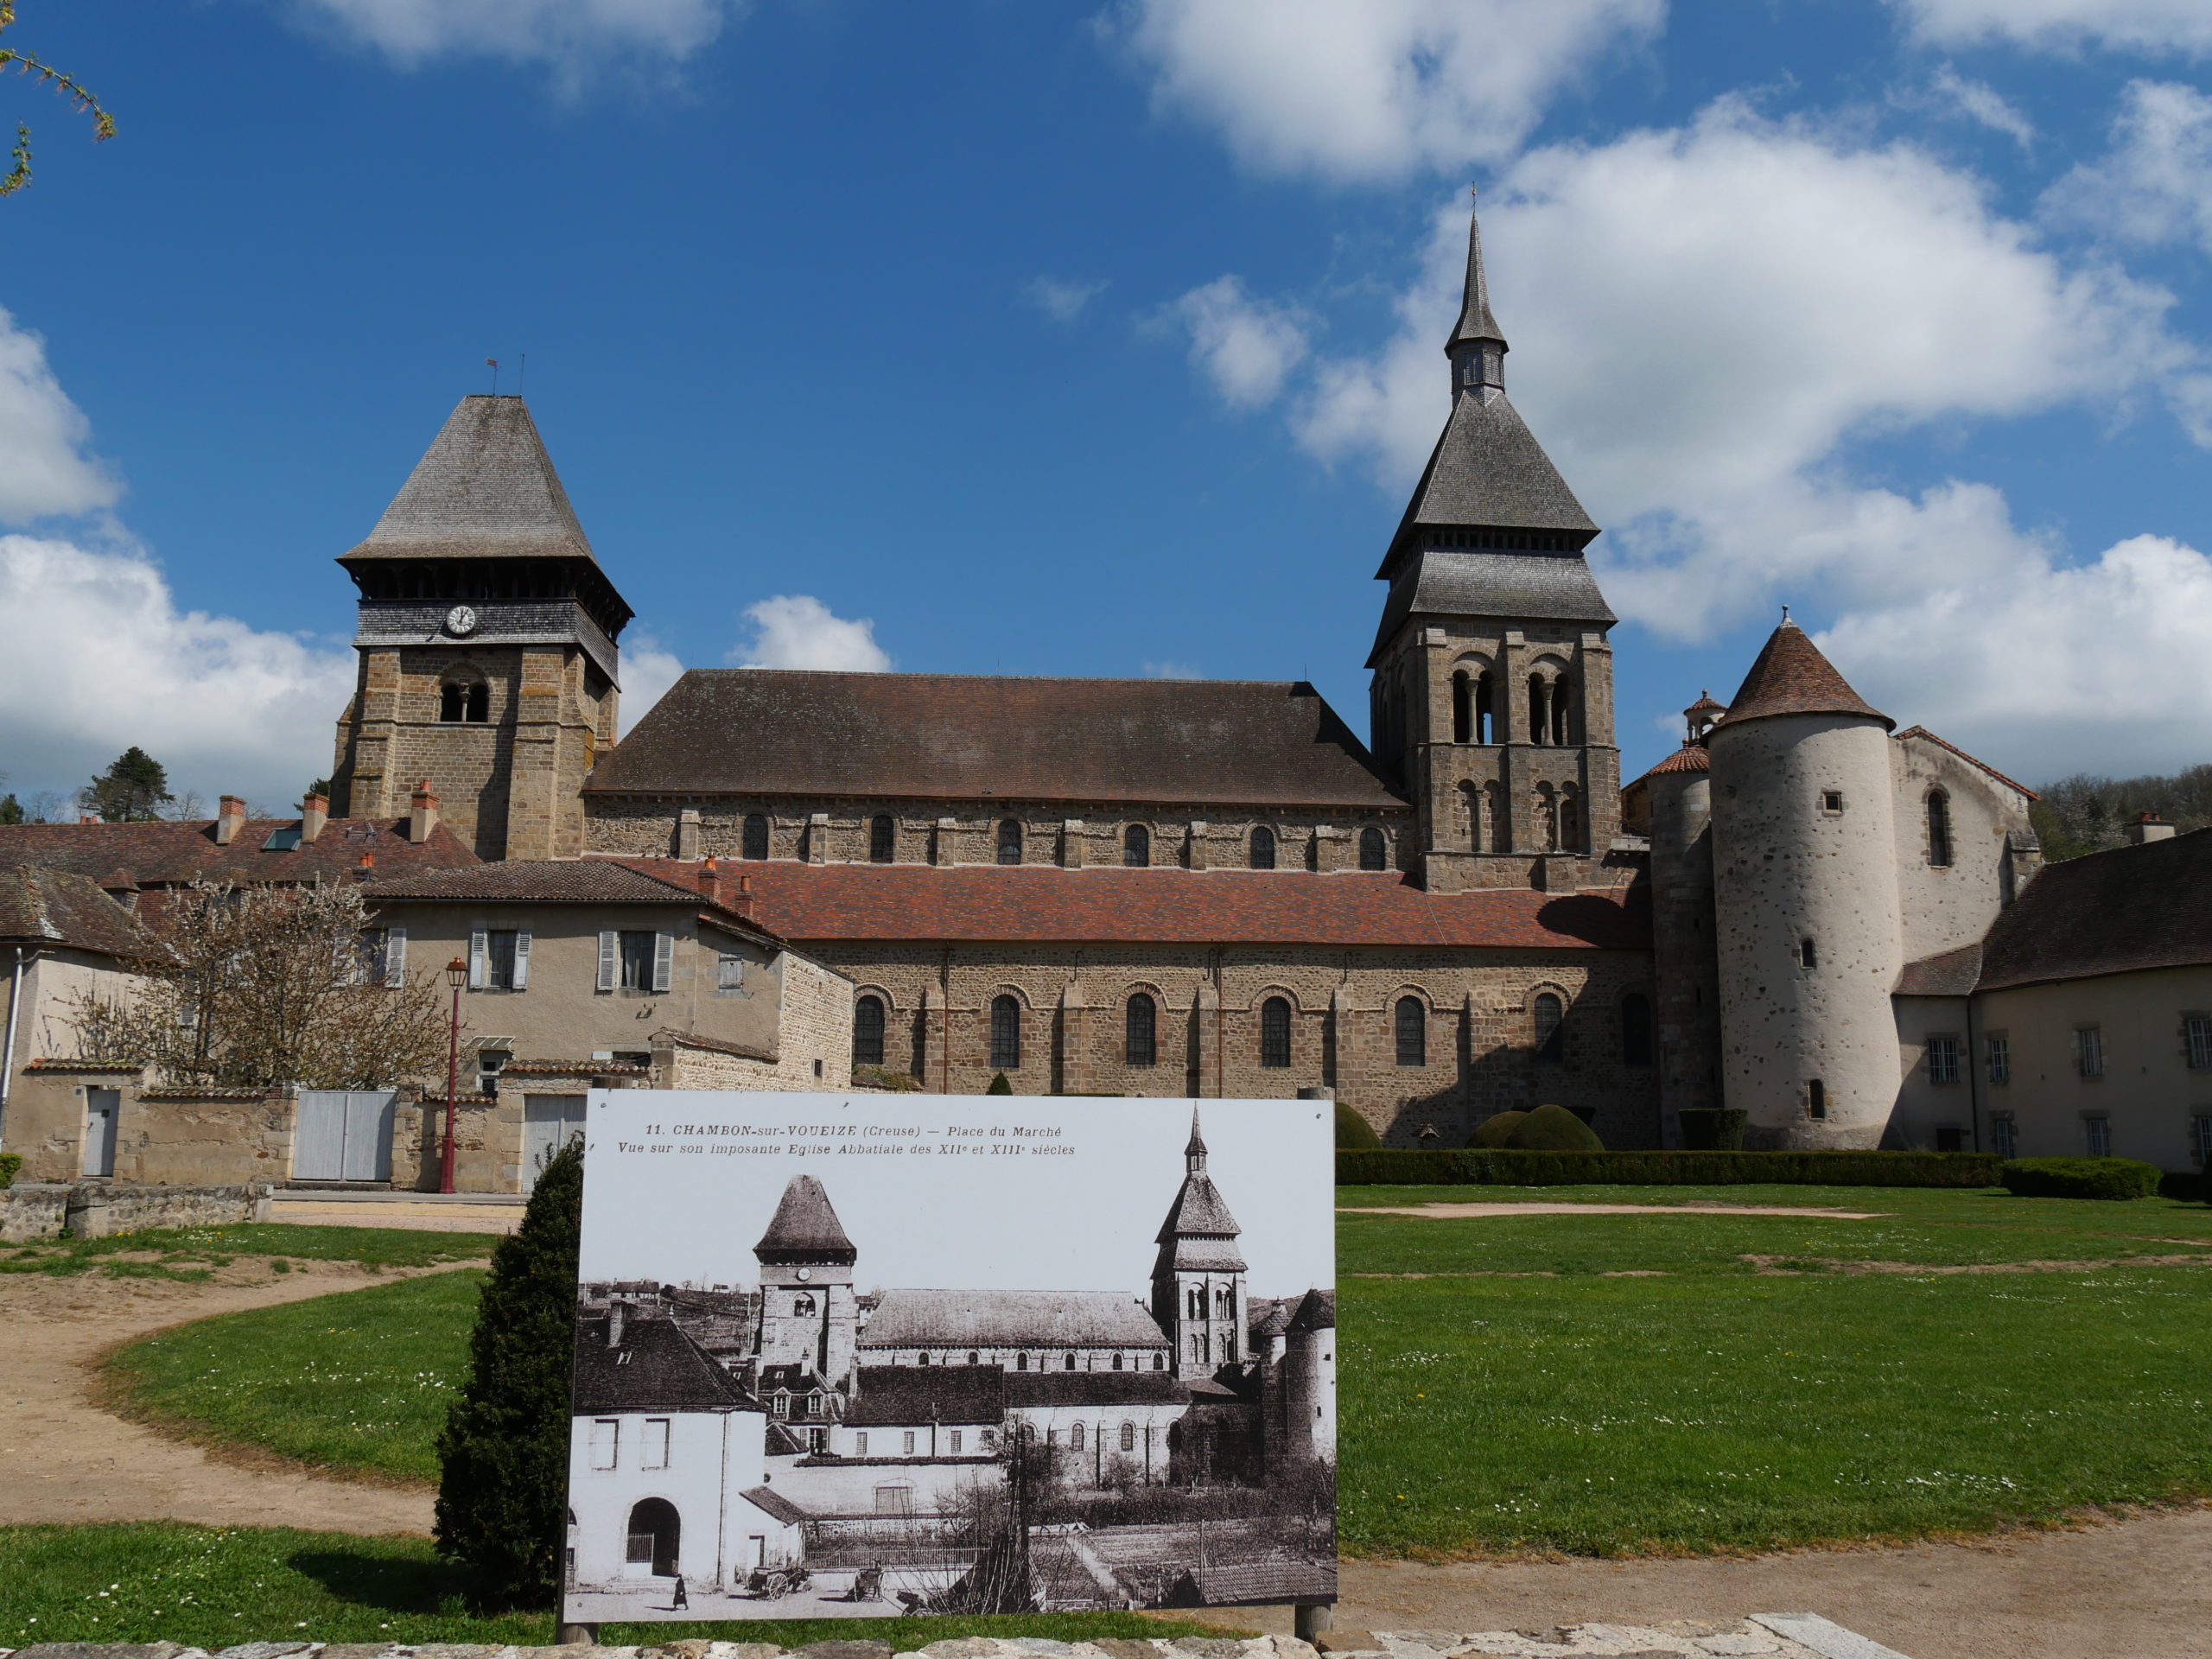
(99, 657)
(2065, 25)
(648, 670)
(1244, 348)
(798, 631)
(1378, 89)
(1978, 101)
(44, 468)
(570, 35)
(2155, 185)
(1062, 301)
(2022, 668)
(1171, 671)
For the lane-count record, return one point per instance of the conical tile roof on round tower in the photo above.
(1790, 676)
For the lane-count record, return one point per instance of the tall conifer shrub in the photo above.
(503, 1455)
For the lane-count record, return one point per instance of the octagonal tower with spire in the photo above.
(1492, 693)
(1198, 1280)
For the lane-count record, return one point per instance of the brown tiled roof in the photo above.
(1010, 1319)
(2112, 912)
(774, 1504)
(757, 731)
(818, 903)
(805, 1225)
(657, 1367)
(1254, 1581)
(567, 882)
(1790, 676)
(670, 1035)
(885, 1396)
(1948, 973)
(50, 907)
(1911, 732)
(172, 854)
(1691, 757)
(1706, 705)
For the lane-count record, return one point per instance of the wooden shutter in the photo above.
(610, 959)
(479, 944)
(664, 959)
(522, 959)
(395, 956)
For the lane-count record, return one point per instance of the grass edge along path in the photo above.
(191, 1253)
(218, 1587)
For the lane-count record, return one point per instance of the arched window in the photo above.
(756, 835)
(655, 1536)
(1160, 1362)
(1562, 701)
(1136, 847)
(1551, 1018)
(1074, 1437)
(1539, 725)
(1140, 1031)
(1497, 836)
(464, 699)
(803, 1306)
(1010, 842)
(1128, 1437)
(1463, 708)
(1223, 1305)
(1636, 1029)
(971, 1357)
(1263, 848)
(1274, 1032)
(1939, 828)
(1374, 852)
(868, 1031)
(1413, 1031)
(1195, 1302)
(1117, 1362)
(1005, 1034)
(1548, 817)
(882, 839)
(1485, 727)
(1570, 822)
(922, 1358)
(1021, 1362)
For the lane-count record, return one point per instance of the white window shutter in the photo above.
(610, 959)
(395, 956)
(522, 959)
(478, 945)
(664, 959)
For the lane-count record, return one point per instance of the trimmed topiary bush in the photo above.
(1552, 1128)
(2080, 1177)
(11, 1162)
(1712, 1129)
(1493, 1130)
(503, 1455)
(1501, 1167)
(999, 1084)
(1354, 1132)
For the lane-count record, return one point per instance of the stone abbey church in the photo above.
(1214, 887)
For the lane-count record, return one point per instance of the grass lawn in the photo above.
(213, 1587)
(193, 1252)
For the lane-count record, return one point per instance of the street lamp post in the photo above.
(456, 976)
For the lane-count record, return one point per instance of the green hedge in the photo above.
(1484, 1167)
(1712, 1129)
(10, 1163)
(2080, 1177)
(1354, 1132)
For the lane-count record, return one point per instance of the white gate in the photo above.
(343, 1134)
(548, 1122)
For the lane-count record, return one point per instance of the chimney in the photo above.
(614, 1324)
(2148, 826)
(743, 904)
(315, 813)
(710, 881)
(230, 819)
(421, 813)
(368, 862)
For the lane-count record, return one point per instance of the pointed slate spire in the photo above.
(1476, 326)
(1791, 676)
(806, 1228)
(1194, 1151)
(485, 488)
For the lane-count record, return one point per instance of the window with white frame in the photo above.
(1943, 1059)
(652, 1454)
(606, 1442)
(2089, 1051)
(1998, 1049)
(953, 1441)
(860, 1443)
(907, 1442)
(2200, 1137)
(2198, 1029)
(2003, 1138)
(2096, 1135)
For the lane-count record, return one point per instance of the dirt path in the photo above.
(428, 1216)
(1455, 1212)
(63, 1458)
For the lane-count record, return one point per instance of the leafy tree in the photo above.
(321, 787)
(2086, 813)
(28, 63)
(132, 788)
(503, 1455)
(267, 985)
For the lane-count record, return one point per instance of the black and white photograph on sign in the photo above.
(843, 1357)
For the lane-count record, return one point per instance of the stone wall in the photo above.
(1478, 1012)
(32, 1212)
(101, 1209)
(487, 1141)
(164, 1137)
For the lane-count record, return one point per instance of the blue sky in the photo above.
(1104, 339)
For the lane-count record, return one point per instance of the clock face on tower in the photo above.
(461, 622)
(804, 1273)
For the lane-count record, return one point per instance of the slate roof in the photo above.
(1198, 1208)
(45, 907)
(1010, 1319)
(2111, 912)
(485, 488)
(756, 731)
(1528, 587)
(1254, 1581)
(1273, 1323)
(1790, 676)
(1488, 471)
(888, 1395)
(774, 1504)
(665, 1371)
(1474, 322)
(805, 1227)
(173, 854)
(1317, 1311)
(1948, 973)
(1037, 1389)
(820, 903)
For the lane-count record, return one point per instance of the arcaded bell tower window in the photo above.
(464, 701)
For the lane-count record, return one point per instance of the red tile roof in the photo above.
(1790, 676)
(48, 907)
(820, 903)
(172, 854)
(1691, 757)
(575, 882)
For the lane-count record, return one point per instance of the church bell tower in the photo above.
(1198, 1280)
(1492, 695)
(486, 642)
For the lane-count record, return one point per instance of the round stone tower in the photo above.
(1684, 971)
(1805, 897)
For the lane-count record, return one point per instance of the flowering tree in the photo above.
(28, 63)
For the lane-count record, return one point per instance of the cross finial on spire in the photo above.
(1785, 616)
